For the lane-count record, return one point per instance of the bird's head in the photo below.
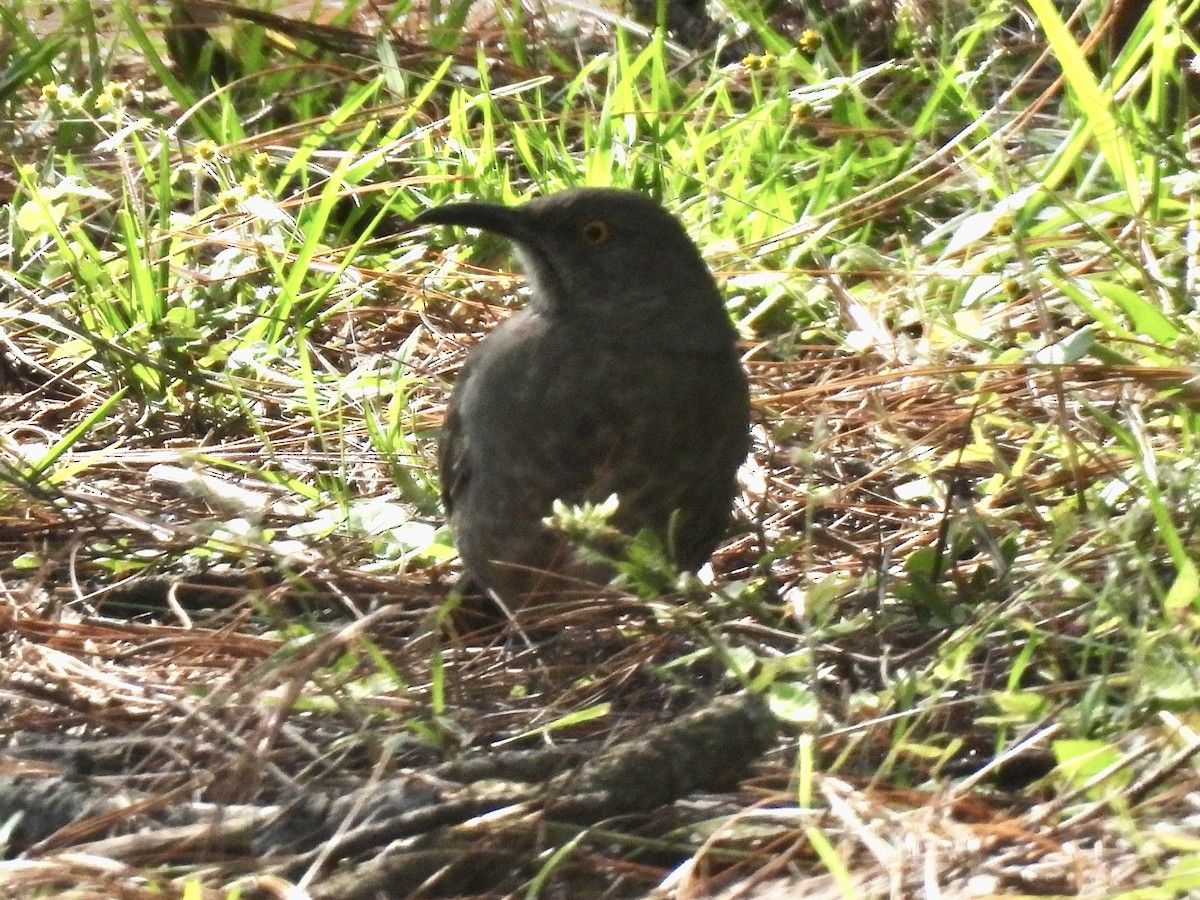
(611, 261)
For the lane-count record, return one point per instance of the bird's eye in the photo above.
(595, 232)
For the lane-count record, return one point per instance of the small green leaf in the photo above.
(1185, 589)
(1146, 318)
(1080, 760)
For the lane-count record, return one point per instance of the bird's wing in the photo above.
(452, 454)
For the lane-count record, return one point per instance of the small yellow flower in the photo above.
(810, 40)
(62, 95)
(117, 91)
(261, 161)
(113, 96)
(205, 151)
(231, 199)
(801, 112)
(754, 63)
(250, 185)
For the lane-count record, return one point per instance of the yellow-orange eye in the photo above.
(595, 232)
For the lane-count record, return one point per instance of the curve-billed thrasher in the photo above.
(620, 377)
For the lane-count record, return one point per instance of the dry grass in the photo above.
(223, 704)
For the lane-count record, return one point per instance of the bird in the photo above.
(620, 376)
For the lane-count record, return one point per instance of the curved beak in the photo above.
(493, 217)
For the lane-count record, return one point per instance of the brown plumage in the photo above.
(620, 376)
